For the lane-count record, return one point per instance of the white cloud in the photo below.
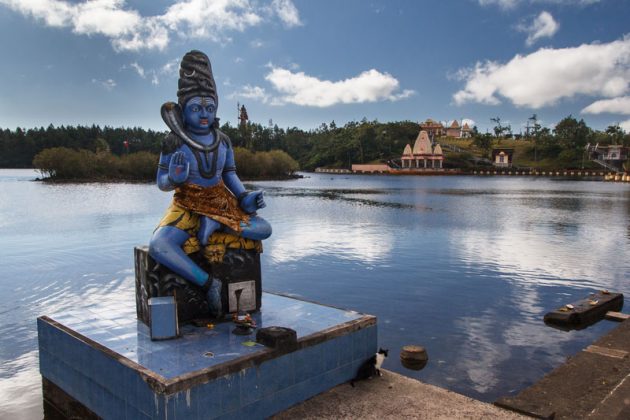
(210, 18)
(504, 4)
(510, 4)
(108, 84)
(625, 126)
(543, 26)
(150, 34)
(471, 123)
(287, 12)
(53, 13)
(619, 105)
(251, 92)
(302, 89)
(103, 17)
(545, 76)
(256, 43)
(171, 68)
(130, 31)
(138, 68)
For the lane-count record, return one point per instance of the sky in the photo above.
(301, 63)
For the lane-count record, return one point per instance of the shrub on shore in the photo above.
(272, 164)
(62, 163)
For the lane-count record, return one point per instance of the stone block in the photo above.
(163, 325)
(240, 269)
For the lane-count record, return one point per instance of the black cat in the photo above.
(371, 367)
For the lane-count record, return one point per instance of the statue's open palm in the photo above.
(178, 168)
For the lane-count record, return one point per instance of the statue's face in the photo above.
(199, 114)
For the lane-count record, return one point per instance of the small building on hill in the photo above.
(454, 130)
(613, 156)
(502, 157)
(466, 131)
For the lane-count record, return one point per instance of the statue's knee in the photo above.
(265, 228)
(165, 240)
(157, 246)
(258, 229)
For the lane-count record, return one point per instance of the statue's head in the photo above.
(197, 92)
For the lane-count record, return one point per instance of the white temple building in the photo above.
(423, 155)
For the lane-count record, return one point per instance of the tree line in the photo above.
(18, 147)
(329, 145)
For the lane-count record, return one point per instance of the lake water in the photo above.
(465, 266)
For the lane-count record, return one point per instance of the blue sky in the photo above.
(304, 62)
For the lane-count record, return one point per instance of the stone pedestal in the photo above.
(240, 269)
(99, 362)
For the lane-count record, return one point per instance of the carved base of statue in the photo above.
(236, 267)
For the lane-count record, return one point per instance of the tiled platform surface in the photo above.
(104, 359)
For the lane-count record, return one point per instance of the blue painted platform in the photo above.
(104, 359)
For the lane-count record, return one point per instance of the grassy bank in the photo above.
(527, 154)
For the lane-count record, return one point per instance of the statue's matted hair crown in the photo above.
(195, 78)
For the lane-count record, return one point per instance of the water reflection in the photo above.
(306, 236)
(19, 381)
(465, 266)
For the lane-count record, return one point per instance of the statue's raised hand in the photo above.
(178, 168)
(253, 201)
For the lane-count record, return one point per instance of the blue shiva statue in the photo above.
(197, 161)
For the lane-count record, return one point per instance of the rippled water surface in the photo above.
(466, 266)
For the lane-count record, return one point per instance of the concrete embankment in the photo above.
(394, 396)
(593, 384)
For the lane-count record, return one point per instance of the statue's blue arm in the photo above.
(258, 228)
(230, 179)
(249, 202)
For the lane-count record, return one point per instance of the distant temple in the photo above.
(436, 129)
(454, 130)
(423, 154)
(466, 131)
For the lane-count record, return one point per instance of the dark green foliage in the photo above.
(62, 163)
(572, 134)
(139, 165)
(19, 147)
(484, 143)
(272, 164)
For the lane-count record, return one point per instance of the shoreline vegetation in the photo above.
(93, 154)
(62, 164)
